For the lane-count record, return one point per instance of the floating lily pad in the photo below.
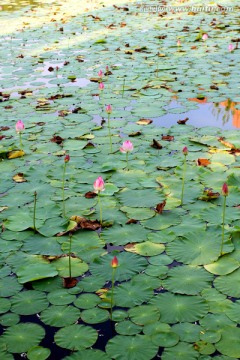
(29, 302)
(60, 316)
(22, 337)
(76, 337)
(144, 314)
(127, 328)
(133, 347)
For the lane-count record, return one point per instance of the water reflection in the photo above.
(9, 5)
(223, 115)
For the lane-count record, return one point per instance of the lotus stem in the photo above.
(112, 290)
(20, 140)
(183, 178)
(69, 255)
(127, 159)
(34, 211)
(63, 190)
(123, 87)
(100, 208)
(109, 133)
(223, 224)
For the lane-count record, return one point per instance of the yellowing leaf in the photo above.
(15, 154)
(19, 178)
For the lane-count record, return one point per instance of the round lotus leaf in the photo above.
(22, 337)
(182, 351)
(229, 284)
(28, 273)
(138, 347)
(48, 284)
(204, 347)
(162, 259)
(140, 198)
(5, 305)
(162, 221)
(127, 328)
(8, 246)
(229, 343)
(9, 319)
(60, 297)
(29, 302)
(128, 265)
(233, 311)
(224, 265)
(119, 235)
(5, 271)
(38, 353)
(90, 354)
(180, 308)
(94, 316)
(119, 315)
(144, 314)
(156, 328)
(216, 322)
(196, 249)
(187, 332)
(165, 339)
(147, 248)
(9, 286)
(131, 294)
(79, 267)
(60, 316)
(159, 271)
(92, 283)
(187, 279)
(138, 214)
(87, 301)
(76, 337)
(210, 336)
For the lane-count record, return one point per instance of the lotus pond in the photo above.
(169, 212)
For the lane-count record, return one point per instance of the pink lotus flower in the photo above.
(205, 37)
(178, 43)
(185, 150)
(19, 126)
(101, 86)
(225, 189)
(231, 47)
(114, 262)
(100, 73)
(98, 184)
(108, 109)
(67, 159)
(126, 147)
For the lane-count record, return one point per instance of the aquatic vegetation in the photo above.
(157, 275)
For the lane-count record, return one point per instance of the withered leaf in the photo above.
(4, 128)
(156, 145)
(137, 133)
(209, 194)
(2, 137)
(57, 139)
(203, 162)
(144, 121)
(69, 282)
(19, 178)
(226, 143)
(94, 79)
(90, 195)
(167, 137)
(51, 68)
(183, 122)
(214, 87)
(131, 221)
(160, 207)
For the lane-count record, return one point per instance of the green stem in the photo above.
(113, 273)
(109, 134)
(100, 208)
(69, 255)
(127, 159)
(34, 211)
(20, 140)
(183, 179)
(223, 223)
(123, 88)
(63, 195)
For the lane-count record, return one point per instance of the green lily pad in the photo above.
(228, 284)
(76, 337)
(60, 316)
(87, 301)
(94, 316)
(127, 328)
(144, 314)
(38, 353)
(29, 302)
(22, 337)
(181, 351)
(229, 343)
(79, 267)
(137, 347)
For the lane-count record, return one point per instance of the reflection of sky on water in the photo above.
(207, 114)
